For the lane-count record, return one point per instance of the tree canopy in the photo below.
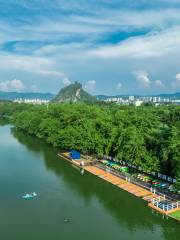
(146, 136)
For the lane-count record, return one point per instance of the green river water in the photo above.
(95, 209)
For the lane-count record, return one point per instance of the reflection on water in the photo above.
(128, 211)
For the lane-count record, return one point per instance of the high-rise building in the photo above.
(131, 98)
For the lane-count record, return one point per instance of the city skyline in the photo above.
(111, 47)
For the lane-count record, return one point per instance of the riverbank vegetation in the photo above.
(146, 136)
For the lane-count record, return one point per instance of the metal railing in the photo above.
(163, 204)
(126, 176)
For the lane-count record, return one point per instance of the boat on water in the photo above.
(29, 195)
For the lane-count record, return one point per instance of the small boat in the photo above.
(29, 195)
(66, 220)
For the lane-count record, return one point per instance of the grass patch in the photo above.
(176, 214)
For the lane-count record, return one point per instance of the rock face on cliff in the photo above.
(74, 93)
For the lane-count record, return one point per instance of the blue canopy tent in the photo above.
(75, 155)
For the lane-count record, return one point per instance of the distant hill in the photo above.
(14, 95)
(173, 96)
(74, 93)
(170, 95)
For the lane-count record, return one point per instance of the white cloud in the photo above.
(94, 25)
(176, 83)
(32, 64)
(143, 79)
(73, 42)
(178, 77)
(90, 85)
(145, 18)
(148, 46)
(13, 85)
(66, 81)
(108, 21)
(159, 83)
(119, 85)
(51, 73)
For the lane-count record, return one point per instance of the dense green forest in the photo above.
(146, 136)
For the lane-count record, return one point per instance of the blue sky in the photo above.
(110, 46)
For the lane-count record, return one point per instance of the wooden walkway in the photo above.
(127, 186)
(121, 183)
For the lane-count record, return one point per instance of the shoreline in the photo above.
(123, 184)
